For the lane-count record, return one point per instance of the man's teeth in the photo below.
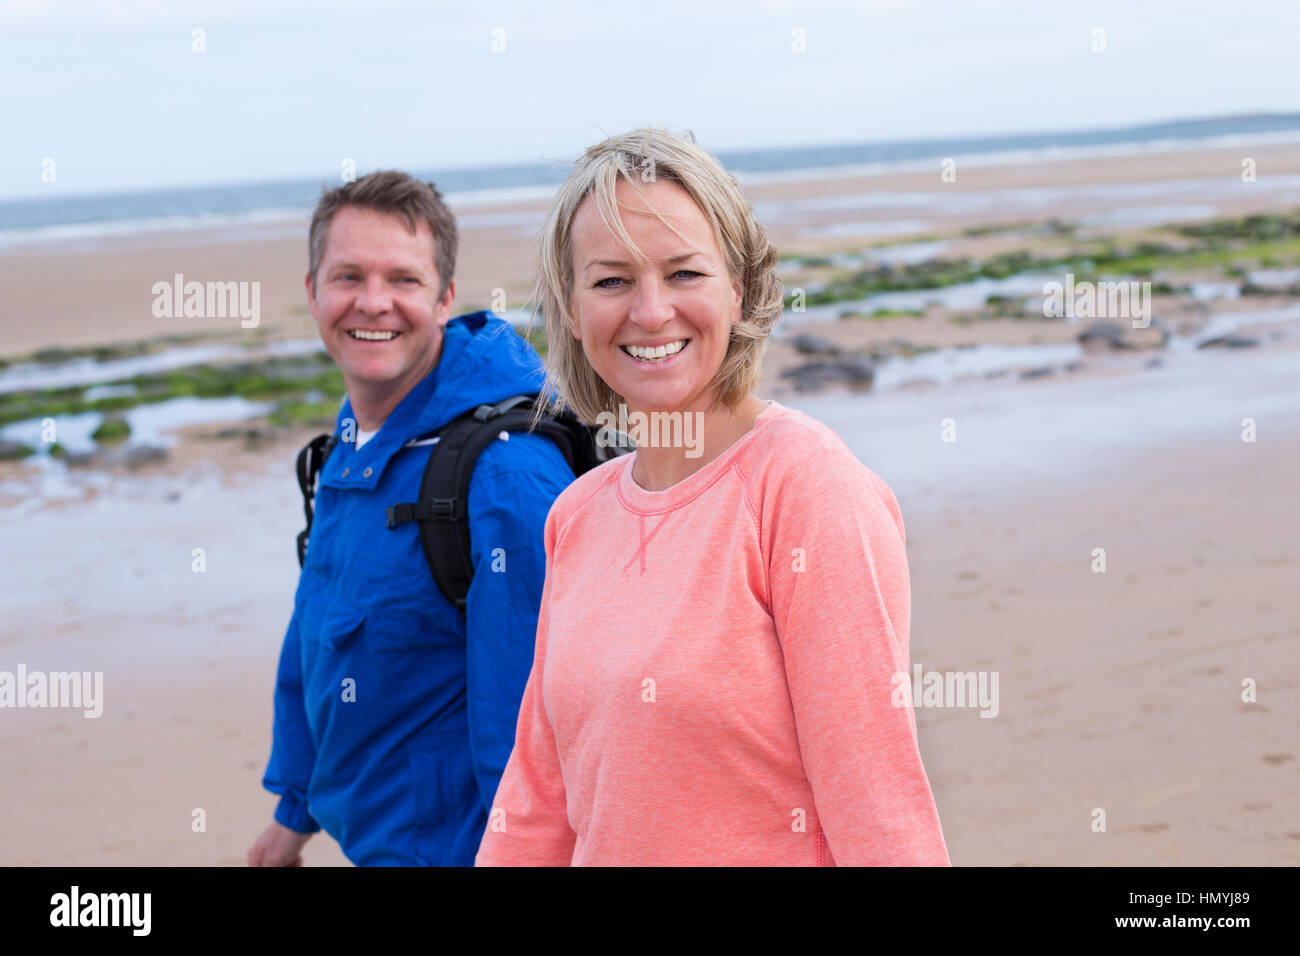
(368, 336)
(655, 354)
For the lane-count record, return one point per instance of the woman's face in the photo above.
(657, 331)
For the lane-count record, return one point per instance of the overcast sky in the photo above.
(113, 92)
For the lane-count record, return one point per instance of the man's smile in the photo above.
(373, 335)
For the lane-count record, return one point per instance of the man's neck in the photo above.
(370, 409)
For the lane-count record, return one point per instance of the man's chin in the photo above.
(372, 374)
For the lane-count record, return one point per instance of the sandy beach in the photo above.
(1120, 690)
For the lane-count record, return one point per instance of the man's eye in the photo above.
(408, 279)
(607, 283)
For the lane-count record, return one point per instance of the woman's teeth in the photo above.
(656, 354)
(367, 336)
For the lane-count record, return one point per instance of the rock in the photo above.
(856, 372)
(114, 429)
(12, 450)
(1230, 341)
(138, 455)
(812, 345)
(1076, 365)
(83, 459)
(1155, 362)
(1039, 372)
(1122, 335)
(1154, 336)
(251, 435)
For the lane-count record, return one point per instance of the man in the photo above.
(394, 713)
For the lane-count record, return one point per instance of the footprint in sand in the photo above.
(1153, 827)
(1262, 805)
(1276, 759)
(121, 845)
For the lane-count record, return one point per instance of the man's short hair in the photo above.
(396, 193)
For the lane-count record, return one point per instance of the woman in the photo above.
(722, 619)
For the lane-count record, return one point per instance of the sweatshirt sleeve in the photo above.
(293, 752)
(513, 487)
(529, 823)
(841, 604)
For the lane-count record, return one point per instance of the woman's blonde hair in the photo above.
(646, 156)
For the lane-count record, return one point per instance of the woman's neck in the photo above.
(660, 464)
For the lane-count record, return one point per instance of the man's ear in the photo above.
(445, 303)
(311, 296)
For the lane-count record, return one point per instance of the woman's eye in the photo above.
(608, 283)
(688, 273)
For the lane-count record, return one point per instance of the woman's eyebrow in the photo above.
(623, 263)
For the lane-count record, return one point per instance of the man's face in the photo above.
(376, 301)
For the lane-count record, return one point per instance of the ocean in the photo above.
(96, 216)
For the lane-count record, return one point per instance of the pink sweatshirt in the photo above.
(712, 678)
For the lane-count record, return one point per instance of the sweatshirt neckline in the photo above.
(638, 499)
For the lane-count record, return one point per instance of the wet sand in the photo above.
(1118, 691)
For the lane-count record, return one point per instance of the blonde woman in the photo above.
(722, 618)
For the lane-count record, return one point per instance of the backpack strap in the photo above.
(310, 461)
(443, 506)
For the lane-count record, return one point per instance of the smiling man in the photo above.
(395, 708)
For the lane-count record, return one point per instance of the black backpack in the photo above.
(444, 490)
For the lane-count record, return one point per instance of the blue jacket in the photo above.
(404, 772)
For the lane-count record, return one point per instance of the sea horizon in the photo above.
(27, 220)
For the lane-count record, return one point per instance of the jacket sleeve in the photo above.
(293, 752)
(513, 486)
(841, 603)
(529, 823)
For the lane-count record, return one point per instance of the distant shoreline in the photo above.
(35, 221)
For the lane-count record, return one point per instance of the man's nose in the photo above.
(375, 297)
